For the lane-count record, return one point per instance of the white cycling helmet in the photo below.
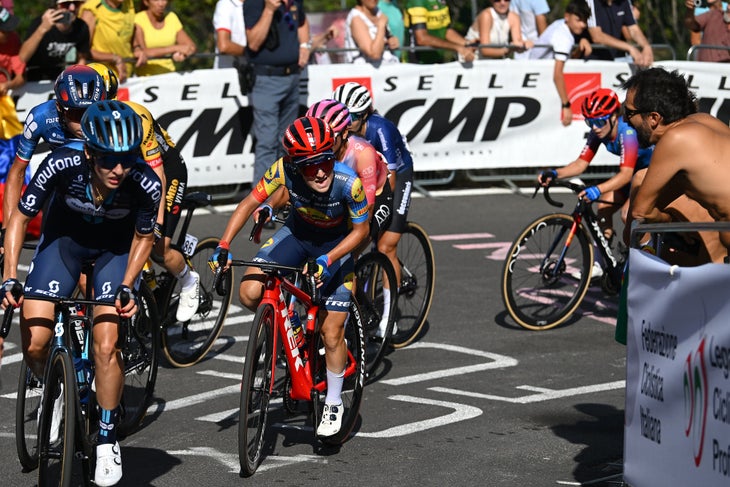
(354, 95)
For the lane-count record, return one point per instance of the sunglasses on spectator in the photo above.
(499, 1)
(110, 161)
(628, 112)
(67, 5)
(597, 123)
(310, 171)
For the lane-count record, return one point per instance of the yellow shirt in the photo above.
(114, 29)
(153, 37)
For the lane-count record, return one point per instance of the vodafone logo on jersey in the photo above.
(578, 86)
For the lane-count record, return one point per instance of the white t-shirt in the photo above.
(557, 35)
(228, 16)
(356, 56)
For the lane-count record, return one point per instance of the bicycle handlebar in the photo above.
(272, 267)
(16, 291)
(263, 215)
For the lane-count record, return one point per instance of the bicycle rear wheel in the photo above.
(56, 455)
(256, 390)
(140, 353)
(30, 392)
(354, 382)
(375, 273)
(418, 274)
(185, 344)
(540, 288)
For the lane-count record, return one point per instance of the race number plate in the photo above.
(191, 241)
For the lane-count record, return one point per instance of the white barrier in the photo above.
(677, 425)
(490, 115)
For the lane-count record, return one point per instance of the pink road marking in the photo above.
(460, 236)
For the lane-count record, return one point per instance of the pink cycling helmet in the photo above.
(333, 112)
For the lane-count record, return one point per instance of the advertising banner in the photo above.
(677, 425)
(491, 114)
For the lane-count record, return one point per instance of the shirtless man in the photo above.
(691, 150)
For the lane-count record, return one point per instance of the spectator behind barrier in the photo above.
(713, 26)
(367, 30)
(604, 26)
(230, 33)
(533, 20)
(559, 35)
(429, 22)
(497, 25)
(163, 36)
(395, 22)
(113, 39)
(52, 37)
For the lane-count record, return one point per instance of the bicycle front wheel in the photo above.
(375, 276)
(354, 380)
(187, 343)
(418, 275)
(26, 417)
(57, 429)
(547, 273)
(256, 390)
(140, 353)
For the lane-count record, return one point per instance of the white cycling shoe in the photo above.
(331, 421)
(108, 465)
(189, 300)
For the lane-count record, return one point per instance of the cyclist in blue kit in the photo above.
(102, 204)
(387, 139)
(601, 112)
(55, 121)
(328, 220)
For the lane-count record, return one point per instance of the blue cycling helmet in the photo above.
(111, 126)
(79, 86)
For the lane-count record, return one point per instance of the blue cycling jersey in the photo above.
(387, 139)
(63, 180)
(43, 122)
(317, 216)
(625, 145)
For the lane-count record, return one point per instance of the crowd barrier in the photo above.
(677, 418)
(489, 118)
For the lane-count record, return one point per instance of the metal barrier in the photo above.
(692, 51)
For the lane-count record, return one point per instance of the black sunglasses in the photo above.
(110, 161)
(628, 113)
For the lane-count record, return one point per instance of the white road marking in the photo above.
(462, 412)
(542, 393)
(194, 399)
(496, 362)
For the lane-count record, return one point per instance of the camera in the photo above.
(700, 3)
(67, 17)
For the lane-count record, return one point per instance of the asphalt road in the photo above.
(475, 401)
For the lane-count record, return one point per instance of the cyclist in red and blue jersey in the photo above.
(388, 141)
(328, 220)
(56, 122)
(102, 204)
(601, 112)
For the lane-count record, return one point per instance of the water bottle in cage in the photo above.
(79, 338)
(296, 328)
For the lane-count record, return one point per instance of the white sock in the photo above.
(186, 278)
(386, 308)
(334, 387)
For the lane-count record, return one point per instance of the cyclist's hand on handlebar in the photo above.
(13, 293)
(258, 210)
(323, 268)
(269, 212)
(222, 257)
(590, 194)
(125, 301)
(546, 176)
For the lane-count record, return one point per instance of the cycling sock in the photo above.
(386, 308)
(108, 420)
(334, 387)
(186, 278)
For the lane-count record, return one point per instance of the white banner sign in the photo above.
(677, 425)
(492, 114)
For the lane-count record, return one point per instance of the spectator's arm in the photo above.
(256, 35)
(600, 37)
(484, 26)
(639, 38)
(458, 44)
(559, 80)
(305, 43)
(139, 46)
(371, 48)
(690, 21)
(226, 45)
(30, 45)
(541, 23)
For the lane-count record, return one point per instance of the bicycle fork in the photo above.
(556, 269)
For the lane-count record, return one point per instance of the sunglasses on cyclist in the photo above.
(310, 171)
(110, 161)
(598, 123)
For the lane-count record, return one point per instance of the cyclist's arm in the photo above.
(14, 237)
(13, 186)
(139, 252)
(239, 217)
(617, 181)
(575, 168)
(160, 171)
(353, 239)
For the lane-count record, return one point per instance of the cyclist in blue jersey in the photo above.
(601, 112)
(388, 141)
(328, 220)
(56, 122)
(102, 204)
